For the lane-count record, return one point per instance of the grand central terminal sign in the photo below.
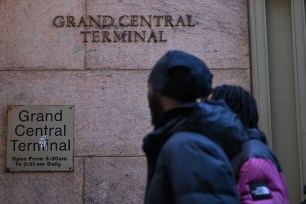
(124, 28)
(40, 138)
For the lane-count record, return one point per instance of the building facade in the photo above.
(95, 56)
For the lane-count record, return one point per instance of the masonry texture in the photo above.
(41, 64)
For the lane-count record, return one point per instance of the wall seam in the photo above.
(84, 179)
(85, 46)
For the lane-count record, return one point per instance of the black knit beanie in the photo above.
(181, 76)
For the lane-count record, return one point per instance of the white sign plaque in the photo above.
(40, 138)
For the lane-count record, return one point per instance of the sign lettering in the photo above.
(40, 138)
(124, 28)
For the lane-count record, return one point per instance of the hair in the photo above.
(240, 101)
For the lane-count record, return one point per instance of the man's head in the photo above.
(177, 77)
(240, 101)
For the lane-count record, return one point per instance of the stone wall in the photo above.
(44, 63)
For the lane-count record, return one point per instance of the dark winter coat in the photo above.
(258, 172)
(188, 155)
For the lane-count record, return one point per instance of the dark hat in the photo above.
(181, 76)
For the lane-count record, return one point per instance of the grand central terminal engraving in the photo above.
(124, 28)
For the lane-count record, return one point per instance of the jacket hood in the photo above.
(256, 134)
(254, 147)
(213, 119)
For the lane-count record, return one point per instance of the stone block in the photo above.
(42, 187)
(215, 30)
(29, 40)
(240, 77)
(115, 179)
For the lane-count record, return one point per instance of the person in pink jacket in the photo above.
(258, 173)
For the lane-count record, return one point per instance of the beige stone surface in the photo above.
(115, 180)
(220, 34)
(240, 77)
(28, 39)
(41, 64)
(44, 187)
(111, 111)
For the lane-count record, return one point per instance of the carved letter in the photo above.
(106, 37)
(180, 20)
(95, 36)
(120, 21)
(161, 37)
(168, 20)
(119, 36)
(85, 35)
(134, 21)
(82, 21)
(70, 21)
(108, 21)
(59, 21)
(91, 19)
(143, 19)
(143, 37)
(153, 36)
(158, 20)
(190, 21)
(130, 36)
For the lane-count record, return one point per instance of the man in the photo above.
(188, 150)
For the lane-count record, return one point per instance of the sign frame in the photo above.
(40, 138)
